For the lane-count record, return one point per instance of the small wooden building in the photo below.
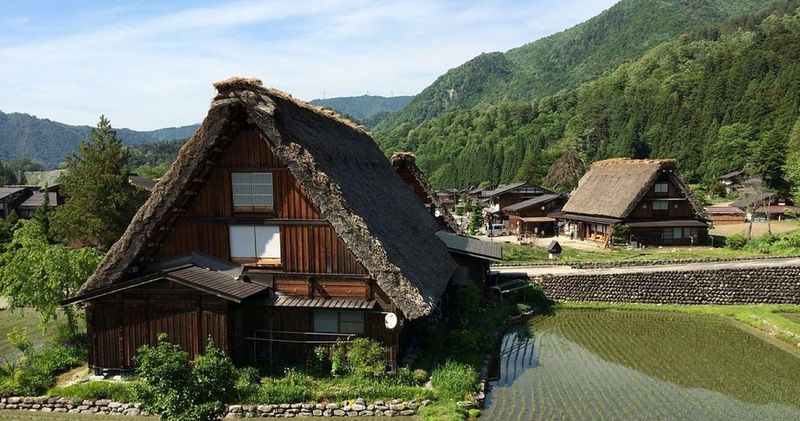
(732, 180)
(647, 195)
(530, 217)
(279, 228)
(473, 256)
(767, 206)
(725, 214)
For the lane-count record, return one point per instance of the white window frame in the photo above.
(250, 195)
(260, 244)
(659, 185)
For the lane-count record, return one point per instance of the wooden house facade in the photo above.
(281, 227)
(648, 196)
(531, 217)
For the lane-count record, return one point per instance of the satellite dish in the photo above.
(390, 320)
(437, 213)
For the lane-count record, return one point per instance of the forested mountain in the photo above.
(717, 99)
(564, 60)
(50, 142)
(368, 109)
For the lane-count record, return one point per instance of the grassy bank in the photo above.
(778, 321)
(515, 253)
(21, 319)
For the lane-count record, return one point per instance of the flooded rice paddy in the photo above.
(626, 365)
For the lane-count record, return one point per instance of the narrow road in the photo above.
(568, 270)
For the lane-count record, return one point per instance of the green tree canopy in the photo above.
(40, 275)
(100, 201)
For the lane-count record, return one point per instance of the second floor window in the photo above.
(255, 244)
(252, 191)
(660, 205)
(662, 188)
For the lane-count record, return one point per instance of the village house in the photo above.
(530, 217)
(11, 197)
(732, 181)
(646, 196)
(725, 214)
(279, 228)
(25, 200)
(494, 201)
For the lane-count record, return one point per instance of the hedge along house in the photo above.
(648, 196)
(280, 227)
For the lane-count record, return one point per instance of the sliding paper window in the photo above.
(252, 191)
(253, 243)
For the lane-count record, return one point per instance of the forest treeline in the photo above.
(718, 99)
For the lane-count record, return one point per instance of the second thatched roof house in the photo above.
(647, 198)
(279, 228)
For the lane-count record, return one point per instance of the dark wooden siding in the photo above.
(677, 208)
(308, 243)
(121, 323)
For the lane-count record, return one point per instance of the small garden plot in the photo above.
(594, 364)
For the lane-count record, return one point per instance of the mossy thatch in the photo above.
(405, 163)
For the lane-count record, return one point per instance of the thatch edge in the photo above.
(410, 160)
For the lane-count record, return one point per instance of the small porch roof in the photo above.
(325, 303)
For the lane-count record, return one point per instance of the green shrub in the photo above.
(464, 341)
(178, 390)
(92, 390)
(365, 357)
(318, 362)
(421, 376)
(474, 413)
(736, 241)
(464, 303)
(57, 358)
(454, 381)
(338, 361)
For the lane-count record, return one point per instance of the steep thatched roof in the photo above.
(341, 170)
(407, 162)
(614, 187)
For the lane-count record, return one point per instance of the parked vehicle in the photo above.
(497, 229)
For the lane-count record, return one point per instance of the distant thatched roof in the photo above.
(407, 162)
(341, 170)
(613, 187)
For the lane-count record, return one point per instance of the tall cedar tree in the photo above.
(792, 167)
(100, 201)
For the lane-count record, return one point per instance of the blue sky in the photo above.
(149, 64)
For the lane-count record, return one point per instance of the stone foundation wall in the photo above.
(779, 285)
(355, 408)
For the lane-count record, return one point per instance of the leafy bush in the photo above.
(465, 301)
(92, 390)
(465, 340)
(421, 376)
(292, 387)
(366, 358)
(736, 241)
(178, 390)
(338, 361)
(474, 413)
(454, 381)
(33, 373)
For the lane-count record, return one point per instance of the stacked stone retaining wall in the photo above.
(355, 408)
(772, 285)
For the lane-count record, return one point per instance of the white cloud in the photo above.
(157, 71)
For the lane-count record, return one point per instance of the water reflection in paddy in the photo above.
(587, 364)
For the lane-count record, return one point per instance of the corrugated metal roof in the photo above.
(531, 202)
(470, 246)
(327, 303)
(216, 283)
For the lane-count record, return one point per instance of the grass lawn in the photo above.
(759, 228)
(20, 318)
(515, 253)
